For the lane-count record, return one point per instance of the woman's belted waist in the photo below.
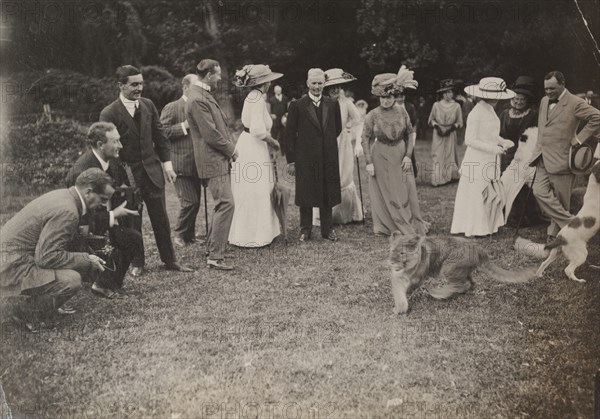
(388, 141)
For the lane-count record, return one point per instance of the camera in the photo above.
(129, 194)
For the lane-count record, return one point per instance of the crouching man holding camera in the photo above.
(123, 245)
(35, 253)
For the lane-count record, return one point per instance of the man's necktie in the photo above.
(136, 115)
(551, 101)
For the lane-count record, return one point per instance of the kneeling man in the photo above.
(126, 240)
(35, 256)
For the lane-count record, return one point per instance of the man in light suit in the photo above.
(35, 256)
(127, 241)
(313, 125)
(214, 150)
(560, 114)
(187, 183)
(147, 152)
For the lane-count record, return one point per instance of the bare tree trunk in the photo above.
(213, 28)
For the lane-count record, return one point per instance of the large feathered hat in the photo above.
(387, 84)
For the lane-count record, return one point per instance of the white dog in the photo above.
(573, 237)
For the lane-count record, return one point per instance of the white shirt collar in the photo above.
(184, 97)
(202, 84)
(84, 208)
(562, 94)
(103, 163)
(314, 98)
(128, 102)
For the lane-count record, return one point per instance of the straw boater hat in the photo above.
(387, 84)
(335, 76)
(445, 85)
(254, 75)
(490, 88)
(581, 156)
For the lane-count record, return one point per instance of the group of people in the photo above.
(133, 149)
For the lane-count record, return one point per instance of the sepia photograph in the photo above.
(299, 209)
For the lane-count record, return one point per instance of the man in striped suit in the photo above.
(187, 184)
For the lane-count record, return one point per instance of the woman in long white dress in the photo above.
(255, 223)
(481, 163)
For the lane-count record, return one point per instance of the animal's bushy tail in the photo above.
(531, 249)
(517, 276)
(559, 241)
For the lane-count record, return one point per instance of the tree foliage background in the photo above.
(438, 39)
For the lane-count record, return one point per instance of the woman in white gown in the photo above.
(255, 223)
(481, 163)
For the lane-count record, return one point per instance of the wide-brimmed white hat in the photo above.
(254, 74)
(490, 88)
(337, 76)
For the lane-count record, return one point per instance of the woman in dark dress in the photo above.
(513, 122)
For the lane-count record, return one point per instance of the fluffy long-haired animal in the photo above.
(415, 258)
(572, 239)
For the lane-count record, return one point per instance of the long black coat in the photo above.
(312, 146)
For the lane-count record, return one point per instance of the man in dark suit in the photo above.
(36, 258)
(129, 247)
(560, 114)
(313, 125)
(213, 151)
(145, 148)
(279, 104)
(187, 184)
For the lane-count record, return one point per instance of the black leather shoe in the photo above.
(331, 236)
(174, 266)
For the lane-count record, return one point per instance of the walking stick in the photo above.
(362, 205)
(205, 213)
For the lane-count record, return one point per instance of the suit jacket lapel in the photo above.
(558, 108)
(212, 100)
(144, 121)
(326, 106)
(544, 110)
(312, 113)
(126, 117)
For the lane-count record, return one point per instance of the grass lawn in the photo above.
(307, 331)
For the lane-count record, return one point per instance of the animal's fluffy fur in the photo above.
(414, 258)
(572, 238)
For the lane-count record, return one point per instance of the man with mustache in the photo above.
(129, 247)
(145, 150)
